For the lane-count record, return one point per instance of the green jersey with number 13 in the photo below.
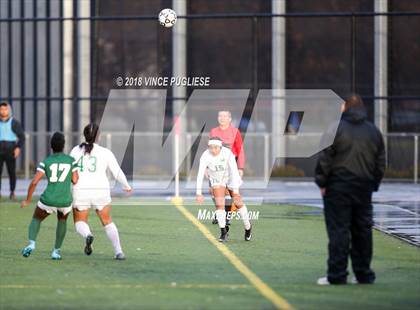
(58, 169)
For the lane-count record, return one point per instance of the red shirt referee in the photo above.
(231, 138)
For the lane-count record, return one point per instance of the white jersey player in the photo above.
(222, 170)
(93, 189)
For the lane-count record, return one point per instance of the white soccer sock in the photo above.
(112, 233)
(83, 229)
(221, 218)
(245, 217)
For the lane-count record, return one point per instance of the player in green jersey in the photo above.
(60, 170)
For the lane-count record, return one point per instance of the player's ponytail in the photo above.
(90, 132)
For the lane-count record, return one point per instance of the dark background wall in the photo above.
(321, 52)
(236, 52)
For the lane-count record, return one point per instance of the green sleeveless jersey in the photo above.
(58, 169)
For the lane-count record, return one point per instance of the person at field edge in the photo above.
(347, 172)
(12, 139)
(231, 138)
(61, 171)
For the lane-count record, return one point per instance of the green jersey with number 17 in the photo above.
(58, 169)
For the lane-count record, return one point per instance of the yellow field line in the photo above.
(278, 301)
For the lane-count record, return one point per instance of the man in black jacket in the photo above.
(12, 139)
(347, 173)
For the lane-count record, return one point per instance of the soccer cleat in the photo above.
(56, 254)
(248, 234)
(354, 281)
(224, 234)
(88, 246)
(120, 256)
(27, 250)
(323, 281)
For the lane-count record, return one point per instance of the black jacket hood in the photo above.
(355, 115)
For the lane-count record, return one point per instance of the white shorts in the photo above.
(85, 203)
(231, 187)
(51, 210)
(225, 182)
(217, 182)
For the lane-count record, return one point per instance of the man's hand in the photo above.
(24, 204)
(323, 190)
(16, 152)
(241, 172)
(199, 198)
(128, 189)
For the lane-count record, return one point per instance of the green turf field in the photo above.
(171, 265)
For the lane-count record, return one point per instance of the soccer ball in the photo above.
(167, 18)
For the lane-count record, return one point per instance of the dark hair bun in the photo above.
(90, 132)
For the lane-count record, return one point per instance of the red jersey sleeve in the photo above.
(212, 133)
(238, 149)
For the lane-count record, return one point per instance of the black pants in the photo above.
(349, 222)
(7, 156)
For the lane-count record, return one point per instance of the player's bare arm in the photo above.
(38, 176)
(74, 177)
(199, 199)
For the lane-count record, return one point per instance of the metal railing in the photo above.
(399, 147)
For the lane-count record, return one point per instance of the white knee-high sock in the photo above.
(245, 216)
(221, 218)
(112, 234)
(82, 228)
